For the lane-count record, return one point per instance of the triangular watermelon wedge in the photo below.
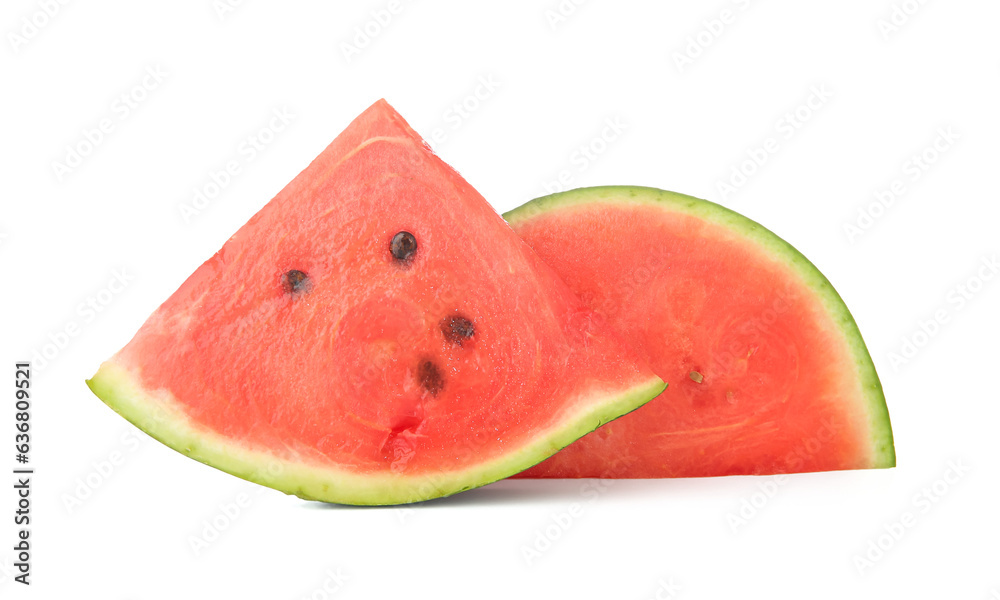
(768, 371)
(376, 334)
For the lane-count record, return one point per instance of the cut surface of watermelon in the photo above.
(768, 372)
(376, 334)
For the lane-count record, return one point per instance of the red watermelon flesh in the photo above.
(768, 371)
(376, 334)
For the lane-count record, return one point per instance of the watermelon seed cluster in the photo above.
(455, 328)
(402, 247)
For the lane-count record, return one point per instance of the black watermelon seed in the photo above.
(296, 282)
(403, 246)
(457, 329)
(430, 377)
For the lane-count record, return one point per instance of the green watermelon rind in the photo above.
(883, 454)
(157, 414)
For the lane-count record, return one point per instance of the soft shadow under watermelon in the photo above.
(514, 491)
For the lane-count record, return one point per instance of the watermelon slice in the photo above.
(768, 370)
(376, 334)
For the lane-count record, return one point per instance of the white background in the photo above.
(127, 533)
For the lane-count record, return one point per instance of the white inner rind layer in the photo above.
(881, 452)
(159, 414)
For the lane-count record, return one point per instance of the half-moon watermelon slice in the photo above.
(768, 372)
(376, 334)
